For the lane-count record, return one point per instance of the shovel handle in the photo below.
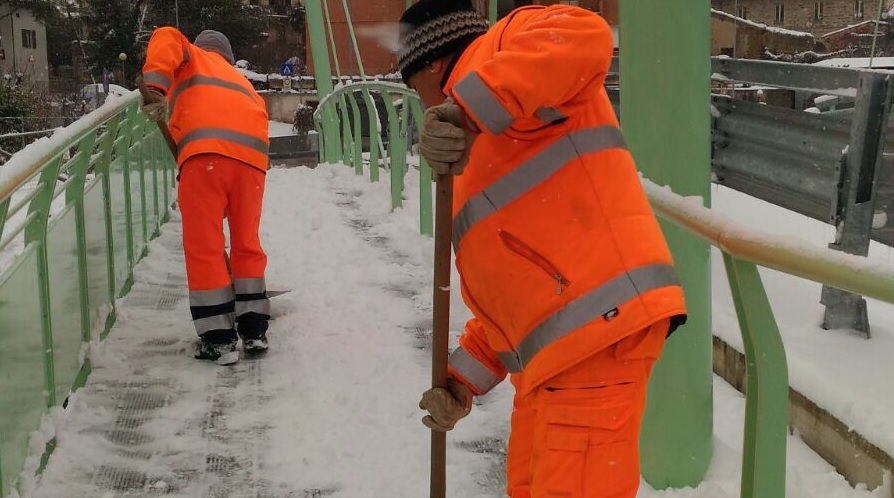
(441, 321)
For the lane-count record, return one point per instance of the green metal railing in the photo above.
(766, 406)
(403, 110)
(77, 211)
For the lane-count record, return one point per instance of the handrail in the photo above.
(23, 165)
(766, 405)
(844, 271)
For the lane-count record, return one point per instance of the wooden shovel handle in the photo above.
(441, 321)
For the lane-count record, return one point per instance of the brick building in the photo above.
(814, 16)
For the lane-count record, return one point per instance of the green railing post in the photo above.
(36, 233)
(125, 146)
(322, 74)
(766, 404)
(357, 132)
(397, 150)
(347, 136)
(665, 115)
(103, 168)
(426, 213)
(74, 195)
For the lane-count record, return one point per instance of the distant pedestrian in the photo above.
(561, 260)
(220, 126)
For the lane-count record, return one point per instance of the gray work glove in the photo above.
(446, 139)
(154, 105)
(446, 406)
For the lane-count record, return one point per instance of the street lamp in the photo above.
(122, 57)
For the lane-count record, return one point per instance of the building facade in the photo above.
(23, 48)
(814, 16)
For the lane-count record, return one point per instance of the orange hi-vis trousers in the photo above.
(577, 435)
(213, 187)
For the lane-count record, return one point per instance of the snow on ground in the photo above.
(331, 410)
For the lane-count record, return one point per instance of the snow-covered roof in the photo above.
(852, 26)
(858, 62)
(772, 29)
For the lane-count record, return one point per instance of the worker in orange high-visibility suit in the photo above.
(561, 260)
(220, 126)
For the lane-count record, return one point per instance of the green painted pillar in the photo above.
(323, 78)
(665, 115)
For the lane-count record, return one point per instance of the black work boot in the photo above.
(218, 346)
(252, 329)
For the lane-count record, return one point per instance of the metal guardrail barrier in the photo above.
(831, 167)
(77, 211)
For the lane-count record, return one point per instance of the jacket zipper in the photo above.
(517, 246)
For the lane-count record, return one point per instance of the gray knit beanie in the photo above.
(431, 29)
(215, 41)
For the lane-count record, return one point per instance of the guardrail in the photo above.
(832, 167)
(77, 211)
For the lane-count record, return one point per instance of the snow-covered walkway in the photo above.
(330, 410)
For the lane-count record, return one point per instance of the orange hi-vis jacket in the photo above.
(213, 108)
(557, 247)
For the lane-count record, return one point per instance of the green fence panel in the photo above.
(97, 271)
(23, 395)
(65, 304)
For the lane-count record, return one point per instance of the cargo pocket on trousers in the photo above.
(590, 446)
(564, 456)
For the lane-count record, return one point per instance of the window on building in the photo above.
(818, 11)
(742, 12)
(858, 9)
(569, 2)
(780, 13)
(29, 38)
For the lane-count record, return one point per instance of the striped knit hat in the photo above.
(431, 29)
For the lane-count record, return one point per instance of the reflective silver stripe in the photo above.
(473, 370)
(249, 285)
(549, 114)
(213, 297)
(587, 308)
(224, 134)
(261, 306)
(483, 104)
(157, 79)
(225, 321)
(533, 172)
(207, 80)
